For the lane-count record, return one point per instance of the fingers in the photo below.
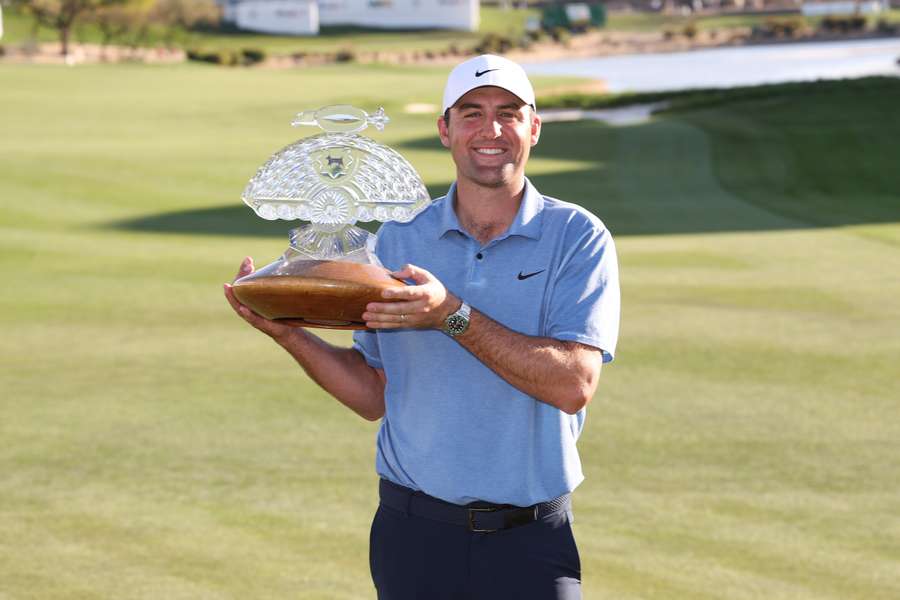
(410, 306)
(245, 269)
(410, 292)
(391, 309)
(417, 274)
(248, 315)
(239, 308)
(392, 321)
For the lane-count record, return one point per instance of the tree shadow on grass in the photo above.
(234, 219)
(658, 178)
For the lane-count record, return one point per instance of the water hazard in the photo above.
(730, 67)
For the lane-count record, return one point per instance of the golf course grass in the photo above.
(745, 444)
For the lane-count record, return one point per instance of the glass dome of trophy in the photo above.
(333, 180)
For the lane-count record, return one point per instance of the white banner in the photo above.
(814, 9)
(278, 16)
(402, 14)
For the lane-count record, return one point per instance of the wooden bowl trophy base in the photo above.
(331, 294)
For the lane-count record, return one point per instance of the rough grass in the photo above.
(744, 444)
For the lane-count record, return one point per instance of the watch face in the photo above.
(456, 324)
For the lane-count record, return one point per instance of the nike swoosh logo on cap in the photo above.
(480, 73)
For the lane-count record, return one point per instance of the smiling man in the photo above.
(482, 368)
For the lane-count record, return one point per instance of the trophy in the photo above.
(333, 180)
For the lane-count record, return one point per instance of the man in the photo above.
(480, 370)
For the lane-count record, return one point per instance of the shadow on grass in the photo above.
(660, 178)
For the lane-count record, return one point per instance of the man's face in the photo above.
(490, 135)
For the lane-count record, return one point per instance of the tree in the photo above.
(61, 15)
(116, 20)
(178, 16)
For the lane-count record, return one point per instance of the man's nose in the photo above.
(490, 128)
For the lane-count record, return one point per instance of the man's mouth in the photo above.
(490, 151)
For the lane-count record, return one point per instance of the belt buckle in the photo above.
(472, 527)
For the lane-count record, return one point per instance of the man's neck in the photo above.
(485, 213)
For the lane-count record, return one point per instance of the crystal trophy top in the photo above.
(334, 180)
(330, 272)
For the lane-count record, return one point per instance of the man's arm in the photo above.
(342, 372)
(562, 374)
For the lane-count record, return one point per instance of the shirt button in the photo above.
(479, 256)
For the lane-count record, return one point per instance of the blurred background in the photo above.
(744, 444)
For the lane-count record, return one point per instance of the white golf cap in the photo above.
(483, 70)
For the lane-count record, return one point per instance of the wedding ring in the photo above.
(402, 317)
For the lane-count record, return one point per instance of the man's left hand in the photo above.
(422, 306)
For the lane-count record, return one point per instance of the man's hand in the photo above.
(271, 328)
(422, 306)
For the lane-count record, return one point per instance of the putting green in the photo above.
(743, 445)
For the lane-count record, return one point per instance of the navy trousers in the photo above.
(417, 552)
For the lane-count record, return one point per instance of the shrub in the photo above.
(561, 35)
(779, 28)
(252, 56)
(690, 30)
(538, 35)
(2, 50)
(791, 27)
(886, 27)
(215, 57)
(833, 24)
(345, 55)
(494, 43)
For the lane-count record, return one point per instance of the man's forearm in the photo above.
(342, 372)
(562, 374)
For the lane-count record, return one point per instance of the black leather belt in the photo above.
(479, 517)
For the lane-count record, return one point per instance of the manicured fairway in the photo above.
(745, 444)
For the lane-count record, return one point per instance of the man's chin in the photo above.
(493, 179)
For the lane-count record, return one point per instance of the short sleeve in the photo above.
(584, 306)
(366, 343)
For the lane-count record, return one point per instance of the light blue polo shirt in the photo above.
(452, 427)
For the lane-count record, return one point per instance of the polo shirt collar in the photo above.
(527, 222)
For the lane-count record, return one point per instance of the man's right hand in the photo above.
(342, 372)
(274, 329)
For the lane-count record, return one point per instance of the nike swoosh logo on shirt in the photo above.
(522, 277)
(480, 73)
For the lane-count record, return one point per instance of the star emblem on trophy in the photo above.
(334, 164)
(332, 180)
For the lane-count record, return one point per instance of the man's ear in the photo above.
(535, 127)
(443, 131)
